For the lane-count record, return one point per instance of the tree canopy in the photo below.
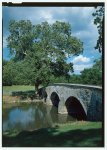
(43, 49)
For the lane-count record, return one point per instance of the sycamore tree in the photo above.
(43, 49)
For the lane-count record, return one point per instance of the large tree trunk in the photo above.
(36, 88)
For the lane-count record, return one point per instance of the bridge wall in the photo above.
(90, 97)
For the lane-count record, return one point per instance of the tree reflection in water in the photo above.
(31, 117)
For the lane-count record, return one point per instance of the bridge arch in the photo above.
(75, 108)
(55, 99)
(89, 98)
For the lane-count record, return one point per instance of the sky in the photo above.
(80, 19)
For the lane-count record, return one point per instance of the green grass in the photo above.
(78, 134)
(7, 90)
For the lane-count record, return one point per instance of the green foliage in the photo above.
(40, 51)
(93, 75)
(75, 79)
(99, 22)
(16, 73)
(98, 64)
(23, 73)
(20, 39)
(8, 73)
(4, 62)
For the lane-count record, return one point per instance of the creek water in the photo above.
(32, 116)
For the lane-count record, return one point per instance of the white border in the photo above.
(19, 1)
(53, 1)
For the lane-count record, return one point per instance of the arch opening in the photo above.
(55, 99)
(75, 108)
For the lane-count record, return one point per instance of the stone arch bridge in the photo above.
(81, 101)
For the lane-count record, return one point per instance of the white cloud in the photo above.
(47, 15)
(81, 67)
(80, 63)
(81, 58)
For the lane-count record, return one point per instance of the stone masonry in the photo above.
(90, 97)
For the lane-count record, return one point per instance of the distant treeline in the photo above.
(16, 73)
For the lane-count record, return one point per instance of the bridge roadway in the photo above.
(81, 101)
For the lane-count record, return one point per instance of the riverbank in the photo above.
(77, 134)
(17, 99)
(19, 94)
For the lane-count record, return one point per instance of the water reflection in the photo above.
(31, 117)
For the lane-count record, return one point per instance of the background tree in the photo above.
(93, 75)
(23, 73)
(8, 73)
(98, 64)
(43, 49)
(76, 78)
(99, 21)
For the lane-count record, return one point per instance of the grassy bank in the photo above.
(7, 90)
(17, 93)
(78, 134)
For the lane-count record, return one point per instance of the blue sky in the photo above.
(81, 21)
